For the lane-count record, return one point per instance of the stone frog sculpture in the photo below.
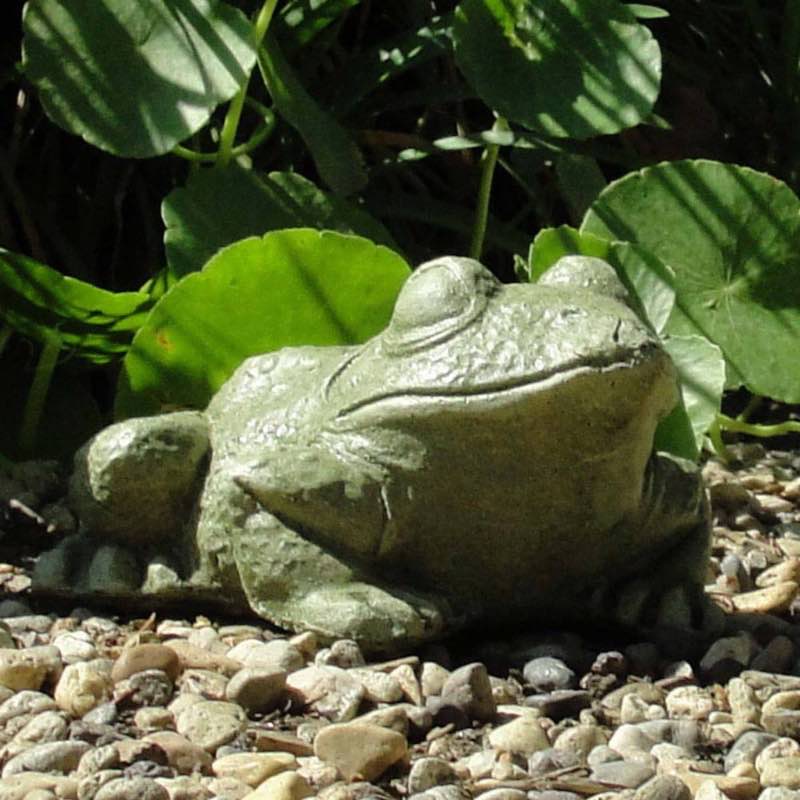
(486, 458)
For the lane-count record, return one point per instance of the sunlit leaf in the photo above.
(40, 302)
(701, 367)
(563, 67)
(135, 78)
(291, 287)
(732, 236)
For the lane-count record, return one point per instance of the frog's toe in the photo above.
(78, 568)
(381, 621)
(682, 606)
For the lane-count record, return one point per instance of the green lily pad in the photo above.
(732, 236)
(291, 287)
(648, 280)
(223, 205)
(135, 78)
(564, 67)
(41, 303)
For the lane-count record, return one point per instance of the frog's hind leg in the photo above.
(666, 587)
(133, 489)
(297, 584)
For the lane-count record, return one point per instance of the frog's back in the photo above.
(270, 398)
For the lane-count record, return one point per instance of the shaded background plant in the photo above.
(398, 121)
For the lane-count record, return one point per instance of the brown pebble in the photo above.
(144, 657)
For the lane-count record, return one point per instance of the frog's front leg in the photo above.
(667, 590)
(294, 582)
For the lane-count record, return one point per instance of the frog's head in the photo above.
(477, 399)
(460, 340)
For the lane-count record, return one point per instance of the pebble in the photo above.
(211, 723)
(358, 749)
(185, 756)
(330, 691)
(468, 689)
(428, 772)
(523, 736)
(284, 786)
(545, 674)
(253, 768)
(187, 710)
(28, 668)
(146, 657)
(623, 774)
(257, 689)
(82, 686)
(784, 772)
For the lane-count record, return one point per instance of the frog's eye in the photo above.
(440, 298)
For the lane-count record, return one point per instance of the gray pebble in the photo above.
(779, 793)
(468, 688)
(547, 674)
(504, 794)
(151, 687)
(602, 754)
(450, 792)
(627, 774)
(684, 733)
(611, 662)
(663, 787)
(60, 757)
(343, 653)
(560, 704)
(552, 794)
(257, 689)
(747, 747)
(132, 789)
(551, 760)
(103, 714)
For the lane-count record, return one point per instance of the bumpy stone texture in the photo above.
(318, 474)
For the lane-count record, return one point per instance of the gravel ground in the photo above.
(94, 705)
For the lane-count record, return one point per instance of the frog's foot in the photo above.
(135, 482)
(682, 606)
(80, 569)
(296, 583)
(667, 590)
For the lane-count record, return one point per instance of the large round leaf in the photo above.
(222, 205)
(573, 68)
(290, 287)
(135, 78)
(732, 235)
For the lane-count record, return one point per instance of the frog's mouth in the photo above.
(427, 401)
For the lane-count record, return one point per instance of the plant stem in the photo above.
(738, 426)
(259, 135)
(37, 395)
(489, 160)
(231, 124)
(715, 436)
(752, 404)
(5, 334)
